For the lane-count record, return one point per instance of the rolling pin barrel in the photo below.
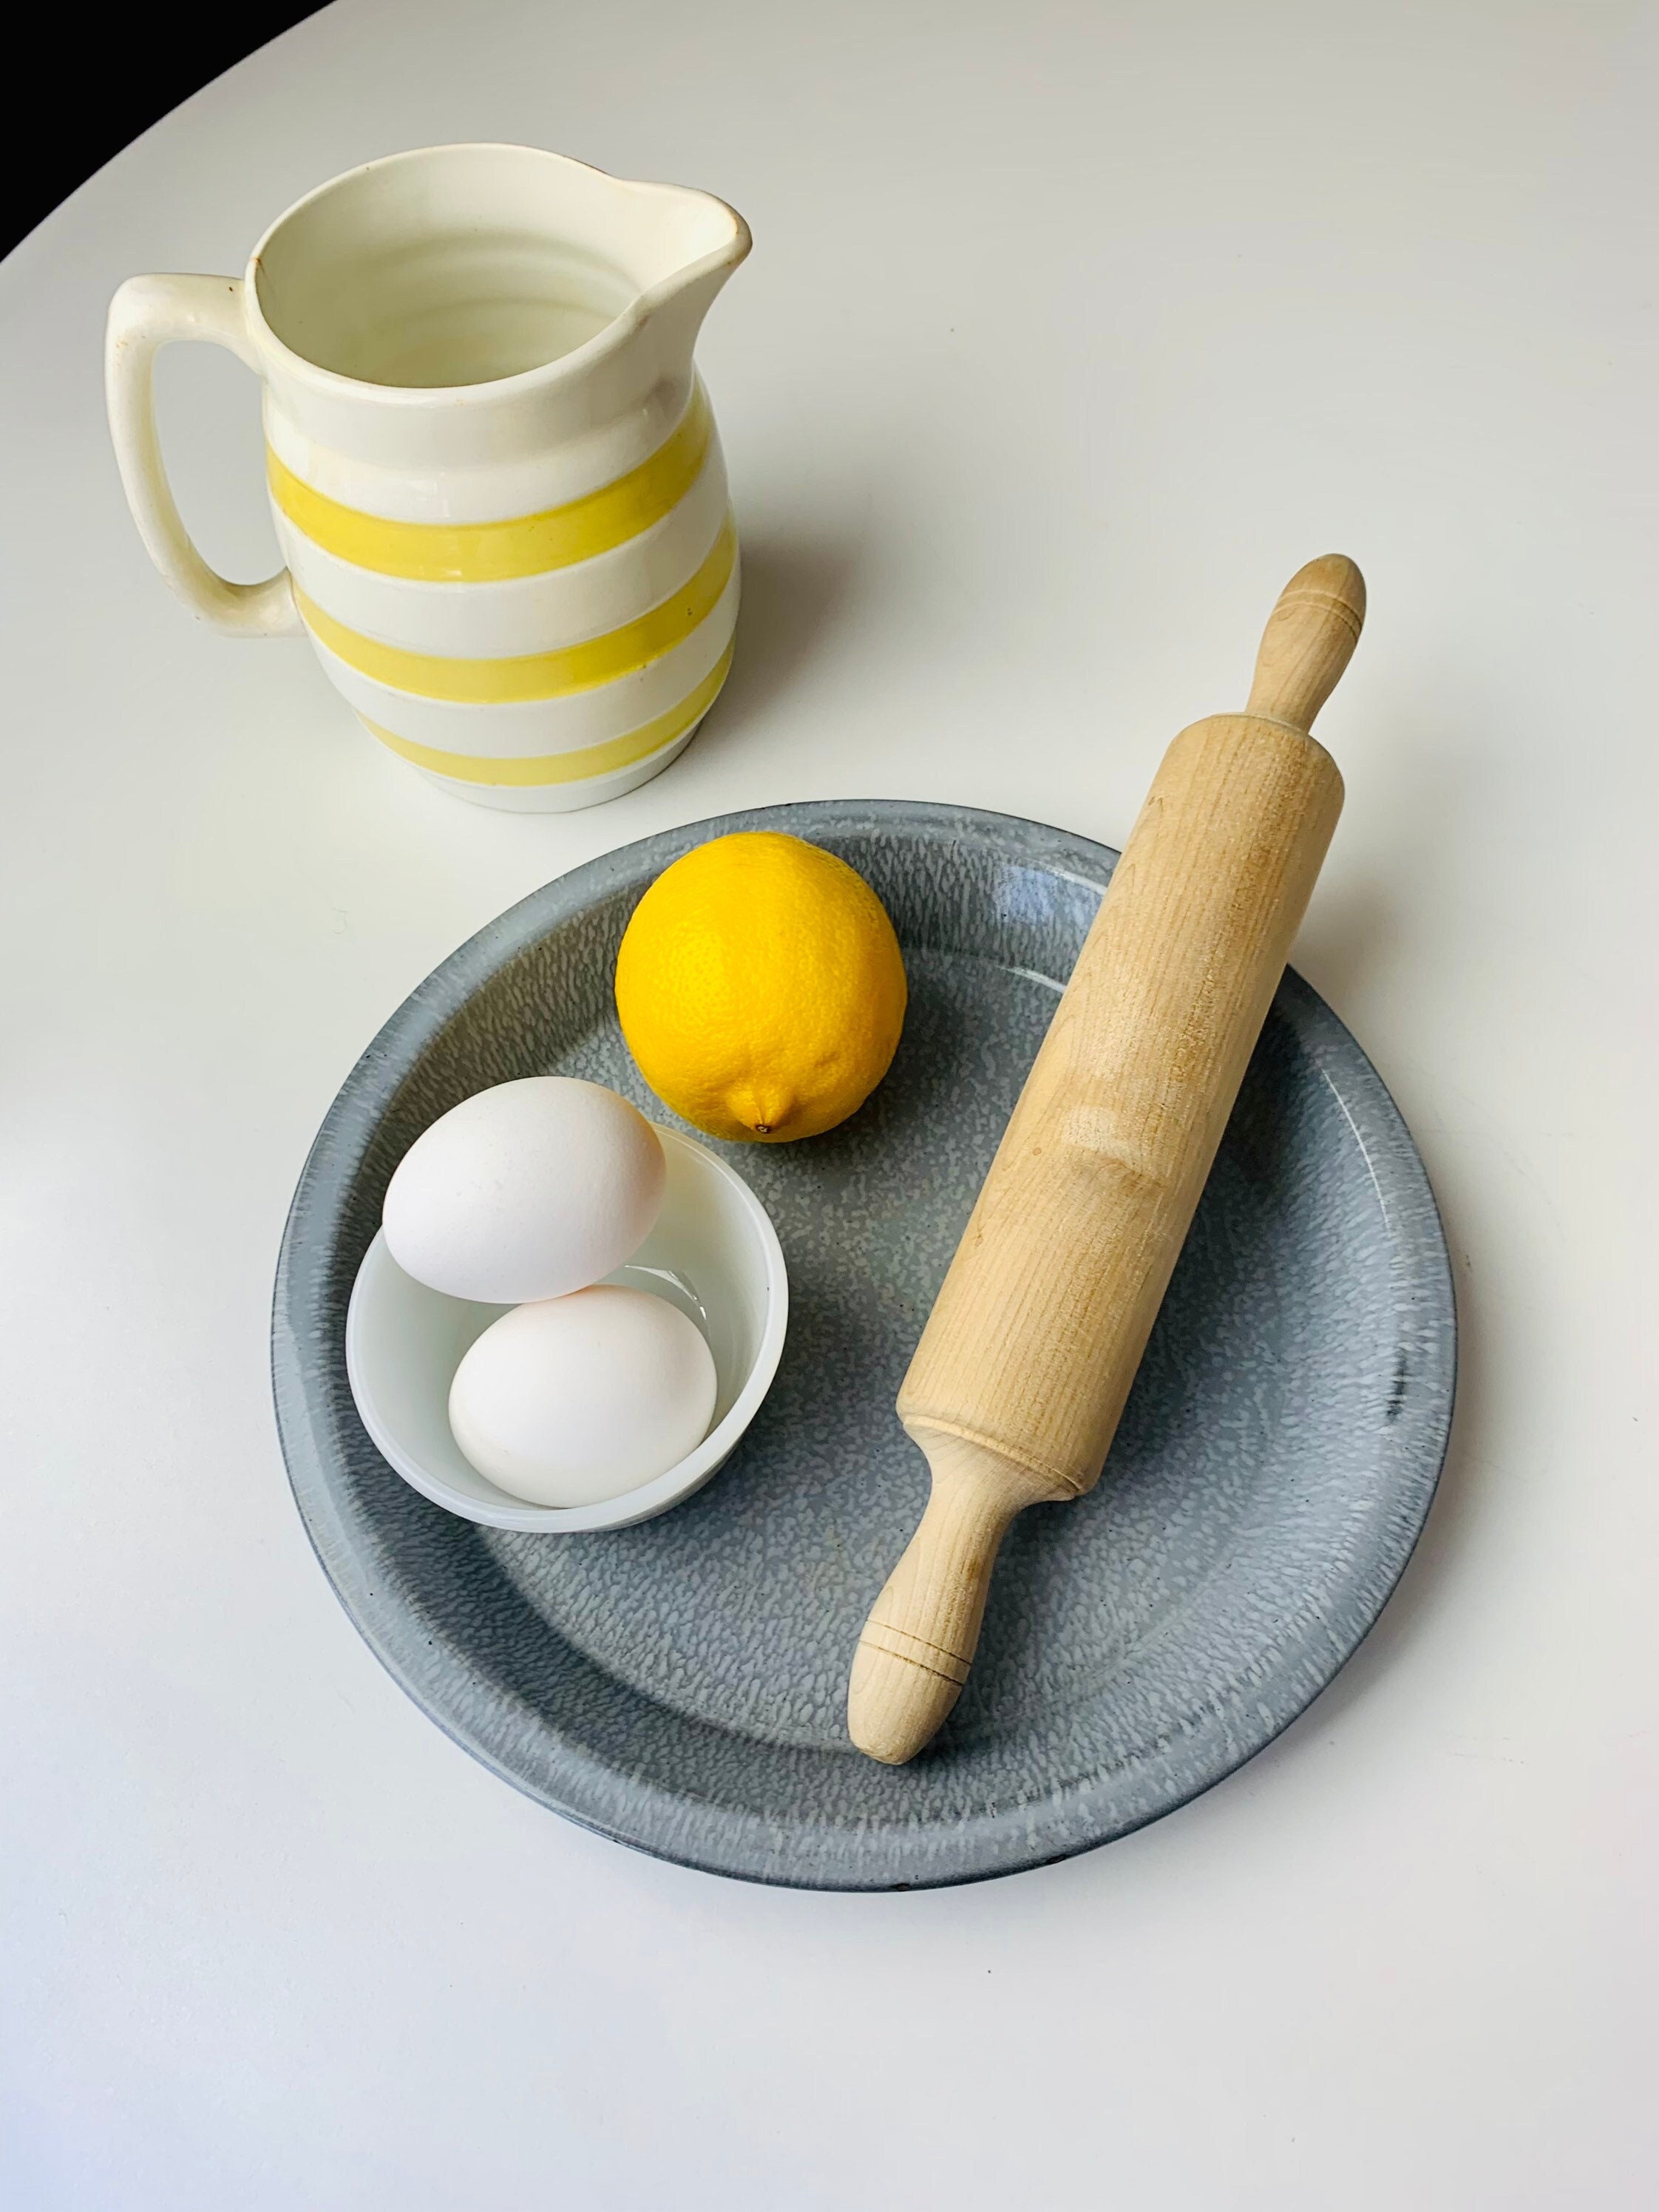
(1017, 1384)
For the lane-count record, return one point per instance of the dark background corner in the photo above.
(146, 64)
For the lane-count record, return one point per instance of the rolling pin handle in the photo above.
(1310, 638)
(918, 1643)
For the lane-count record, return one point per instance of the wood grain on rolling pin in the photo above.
(1017, 1384)
(1039, 1326)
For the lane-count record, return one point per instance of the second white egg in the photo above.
(571, 1400)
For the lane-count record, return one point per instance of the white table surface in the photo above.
(1069, 332)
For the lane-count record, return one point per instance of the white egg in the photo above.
(527, 1191)
(571, 1400)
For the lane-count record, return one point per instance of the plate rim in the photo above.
(1422, 1297)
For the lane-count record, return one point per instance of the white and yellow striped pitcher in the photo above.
(493, 471)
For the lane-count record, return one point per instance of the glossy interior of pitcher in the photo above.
(458, 266)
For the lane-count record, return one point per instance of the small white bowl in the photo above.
(714, 1253)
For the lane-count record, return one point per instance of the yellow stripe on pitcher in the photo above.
(572, 766)
(527, 676)
(524, 545)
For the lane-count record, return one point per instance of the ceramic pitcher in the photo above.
(493, 471)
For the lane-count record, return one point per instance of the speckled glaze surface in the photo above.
(680, 1686)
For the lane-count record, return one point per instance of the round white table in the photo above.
(1070, 331)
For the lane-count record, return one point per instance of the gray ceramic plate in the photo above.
(680, 1686)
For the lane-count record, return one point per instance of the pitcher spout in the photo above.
(678, 246)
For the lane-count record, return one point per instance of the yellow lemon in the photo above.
(761, 987)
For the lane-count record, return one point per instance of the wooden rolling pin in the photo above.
(1021, 1372)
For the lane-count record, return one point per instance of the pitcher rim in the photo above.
(610, 339)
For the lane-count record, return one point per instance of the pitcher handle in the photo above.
(147, 314)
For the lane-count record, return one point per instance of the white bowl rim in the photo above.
(663, 1491)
